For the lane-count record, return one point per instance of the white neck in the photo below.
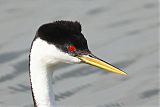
(41, 76)
(41, 80)
(43, 56)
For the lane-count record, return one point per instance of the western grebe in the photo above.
(56, 43)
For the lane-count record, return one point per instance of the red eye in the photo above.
(71, 48)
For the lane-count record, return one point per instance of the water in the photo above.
(122, 32)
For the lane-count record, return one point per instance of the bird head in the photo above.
(62, 41)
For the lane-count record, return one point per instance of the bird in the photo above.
(56, 43)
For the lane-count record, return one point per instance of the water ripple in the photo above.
(20, 67)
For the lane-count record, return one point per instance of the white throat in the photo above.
(41, 80)
(42, 57)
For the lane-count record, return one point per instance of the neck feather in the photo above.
(41, 83)
(41, 79)
(43, 56)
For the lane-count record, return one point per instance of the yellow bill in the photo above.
(93, 60)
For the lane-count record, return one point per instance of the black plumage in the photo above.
(62, 34)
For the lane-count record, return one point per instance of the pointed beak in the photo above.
(94, 61)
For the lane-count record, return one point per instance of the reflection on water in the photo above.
(5, 57)
(19, 68)
(19, 88)
(149, 93)
(70, 93)
(96, 11)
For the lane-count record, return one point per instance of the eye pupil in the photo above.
(71, 48)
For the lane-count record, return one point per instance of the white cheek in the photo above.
(66, 58)
(48, 53)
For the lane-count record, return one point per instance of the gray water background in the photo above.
(122, 32)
